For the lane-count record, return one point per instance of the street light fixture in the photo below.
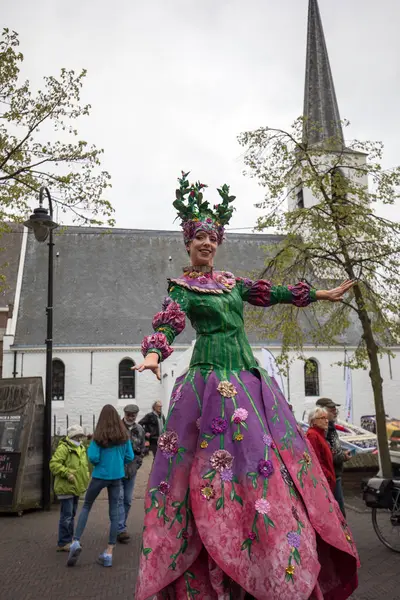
(42, 224)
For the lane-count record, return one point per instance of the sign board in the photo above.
(10, 432)
(9, 463)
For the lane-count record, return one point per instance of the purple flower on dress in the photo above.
(252, 536)
(227, 475)
(240, 415)
(293, 539)
(247, 282)
(164, 488)
(219, 425)
(262, 506)
(168, 444)
(221, 460)
(265, 468)
(267, 440)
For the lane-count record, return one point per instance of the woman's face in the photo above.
(202, 248)
(321, 422)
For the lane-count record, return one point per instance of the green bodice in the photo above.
(221, 340)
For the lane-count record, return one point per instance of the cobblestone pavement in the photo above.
(31, 569)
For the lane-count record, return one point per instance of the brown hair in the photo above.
(110, 431)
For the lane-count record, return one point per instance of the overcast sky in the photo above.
(172, 83)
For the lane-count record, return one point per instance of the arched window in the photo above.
(58, 382)
(311, 378)
(126, 379)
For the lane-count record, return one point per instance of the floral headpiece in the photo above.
(196, 214)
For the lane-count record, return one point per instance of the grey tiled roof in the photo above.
(108, 286)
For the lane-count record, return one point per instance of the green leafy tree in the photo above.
(66, 164)
(334, 235)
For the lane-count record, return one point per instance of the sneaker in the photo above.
(74, 553)
(105, 560)
(123, 537)
(65, 548)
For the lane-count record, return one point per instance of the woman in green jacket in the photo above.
(70, 468)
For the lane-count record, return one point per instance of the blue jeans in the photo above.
(95, 486)
(66, 525)
(338, 493)
(125, 501)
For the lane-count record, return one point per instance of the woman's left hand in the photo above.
(336, 294)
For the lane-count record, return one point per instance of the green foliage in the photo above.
(198, 209)
(70, 167)
(339, 236)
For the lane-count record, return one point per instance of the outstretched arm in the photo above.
(263, 293)
(167, 324)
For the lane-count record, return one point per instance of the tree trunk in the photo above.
(376, 381)
(372, 350)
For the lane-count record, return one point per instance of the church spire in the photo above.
(320, 104)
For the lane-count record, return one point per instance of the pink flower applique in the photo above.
(168, 444)
(221, 460)
(262, 506)
(240, 415)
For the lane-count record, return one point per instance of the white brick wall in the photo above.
(86, 398)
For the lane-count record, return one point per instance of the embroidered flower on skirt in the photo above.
(227, 389)
(168, 444)
(252, 536)
(262, 506)
(240, 415)
(293, 539)
(221, 460)
(164, 488)
(219, 425)
(307, 457)
(286, 476)
(238, 437)
(265, 468)
(290, 570)
(204, 444)
(267, 440)
(227, 475)
(207, 491)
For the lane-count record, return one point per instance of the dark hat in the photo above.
(131, 408)
(326, 403)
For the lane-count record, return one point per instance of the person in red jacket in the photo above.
(318, 420)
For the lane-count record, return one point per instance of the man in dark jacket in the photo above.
(153, 425)
(340, 456)
(136, 434)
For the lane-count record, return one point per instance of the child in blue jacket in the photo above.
(109, 451)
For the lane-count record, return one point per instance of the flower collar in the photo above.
(204, 279)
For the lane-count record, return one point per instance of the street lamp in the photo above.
(42, 224)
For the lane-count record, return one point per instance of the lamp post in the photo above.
(42, 224)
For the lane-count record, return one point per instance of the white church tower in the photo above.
(322, 122)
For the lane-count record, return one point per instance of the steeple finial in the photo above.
(320, 104)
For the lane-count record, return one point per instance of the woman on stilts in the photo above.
(237, 505)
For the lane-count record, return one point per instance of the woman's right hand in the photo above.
(151, 363)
